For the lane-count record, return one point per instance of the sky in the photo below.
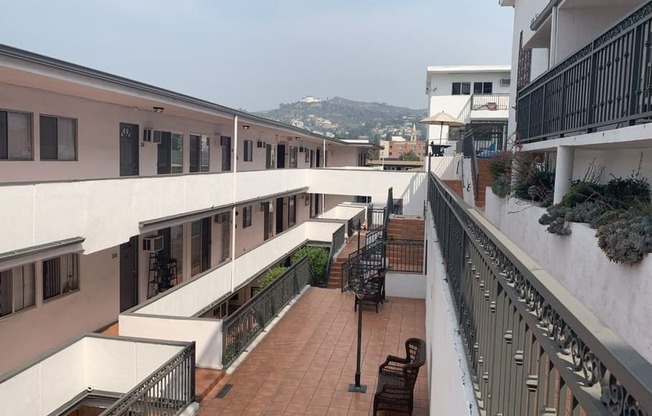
(254, 55)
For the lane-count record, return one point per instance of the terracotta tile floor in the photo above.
(307, 361)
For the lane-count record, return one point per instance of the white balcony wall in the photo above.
(50, 323)
(97, 362)
(445, 349)
(207, 334)
(253, 185)
(447, 167)
(617, 294)
(343, 155)
(105, 212)
(409, 186)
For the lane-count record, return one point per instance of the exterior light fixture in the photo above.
(246, 126)
(158, 110)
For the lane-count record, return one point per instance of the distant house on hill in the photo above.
(310, 100)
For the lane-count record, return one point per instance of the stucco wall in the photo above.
(617, 294)
(52, 322)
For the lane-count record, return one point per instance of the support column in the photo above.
(563, 171)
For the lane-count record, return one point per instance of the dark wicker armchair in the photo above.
(397, 377)
(377, 294)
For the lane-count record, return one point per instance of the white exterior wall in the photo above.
(99, 363)
(409, 186)
(405, 285)
(339, 156)
(445, 348)
(617, 294)
(35, 330)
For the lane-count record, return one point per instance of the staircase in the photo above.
(335, 275)
(456, 186)
(484, 180)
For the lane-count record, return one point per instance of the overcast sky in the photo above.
(256, 54)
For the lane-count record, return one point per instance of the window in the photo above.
(248, 150)
(294, 154)
(60, 275)
(461, 88)
(199, 153)
(58, 138)
(292, 210)
(15, 136)
(170, 152)
(17, 289)
(246, 216)
(200, 255)
(483, 87)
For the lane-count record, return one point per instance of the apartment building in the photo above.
(473, 94)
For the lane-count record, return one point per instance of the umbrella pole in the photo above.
(441, 131)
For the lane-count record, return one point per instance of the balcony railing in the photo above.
(532, 348)
(606, 83)
(168, 391)
(489, 102)
(241, 328)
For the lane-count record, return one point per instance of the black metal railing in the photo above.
(469, 152)
(167, 392)
(337, 242)
(532, 348)
(607, 82)
(368, 259)
(356, 221)
(404, 255)
(375, 218)
(241, 328)
(490, 102)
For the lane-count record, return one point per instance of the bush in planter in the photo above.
(502, 186)
(318, 260)
(499, 167)
(533, 178)
(271, 275)
(558, 216)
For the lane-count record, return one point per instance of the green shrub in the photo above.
(534, 177)
(499, 165)
(583, 191)
(502, 186)
(318, 260)
(271, 275)
(624, 193)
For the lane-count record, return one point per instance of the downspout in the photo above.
(553, 36)
(323, 164)
(234, 153)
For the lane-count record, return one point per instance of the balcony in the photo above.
(113, 375)
(606, 84)
(531, 347)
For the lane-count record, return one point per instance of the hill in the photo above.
(348, 119)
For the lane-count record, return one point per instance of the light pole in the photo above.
(359, 288)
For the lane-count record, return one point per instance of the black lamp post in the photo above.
(359, 288)
(359, 228)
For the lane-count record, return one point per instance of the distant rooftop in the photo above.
(461, 69)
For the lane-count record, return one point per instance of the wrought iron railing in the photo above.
(489, 102)
(607, 82)
(356, 222)
(469, 152)
(404, 255)
(375, 218)
(166, 393)
(532, 348)
(241, 328)
(369, 258)
(337, 242)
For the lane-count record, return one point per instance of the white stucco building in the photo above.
(469, 93)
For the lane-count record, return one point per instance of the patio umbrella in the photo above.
(442, 118)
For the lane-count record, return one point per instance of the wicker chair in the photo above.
(397, 377)
(376, 295)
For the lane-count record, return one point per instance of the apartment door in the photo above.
(226, 153)
(267, 229)
(129, 274)
(318, 157)
(279, 215)
(280, 156)
(128, 149)
(312, 158)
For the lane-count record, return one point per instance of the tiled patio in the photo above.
(307, 361)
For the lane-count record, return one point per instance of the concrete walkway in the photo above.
(307, 361)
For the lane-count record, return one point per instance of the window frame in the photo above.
(292, 210)
(75, 140)
(459, 88)
(199, 153)
(248, 151)
(75, 264)
(29, 132)
(294, 156)
(11, 273)
(246, 216)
